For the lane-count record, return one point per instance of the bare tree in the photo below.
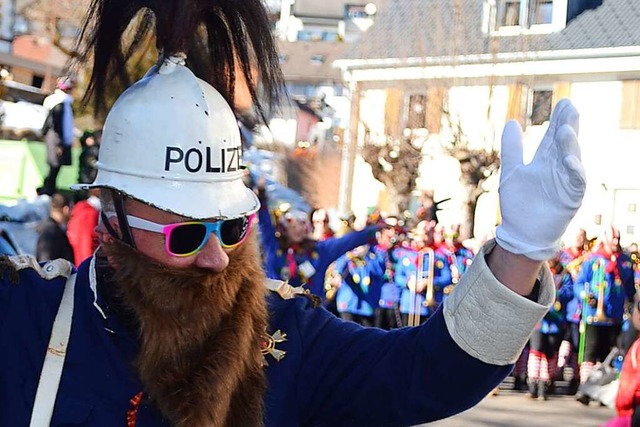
(395, 164)
(476, 165)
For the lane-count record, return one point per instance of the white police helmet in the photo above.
(172, 141)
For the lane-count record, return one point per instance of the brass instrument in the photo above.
(574, 266)
(599, 278)
(332, 281)
(424, 281)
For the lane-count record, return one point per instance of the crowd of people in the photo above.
(401, 276)
(390, 275)
(183, 316)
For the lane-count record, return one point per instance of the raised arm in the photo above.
(537, 200)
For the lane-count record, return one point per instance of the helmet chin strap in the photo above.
(127, 237)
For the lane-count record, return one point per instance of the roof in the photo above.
(436, 28)
(300, 64)
(39, 50)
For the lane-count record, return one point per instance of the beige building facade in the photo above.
(472, 69)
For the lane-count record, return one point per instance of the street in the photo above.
(512, 408)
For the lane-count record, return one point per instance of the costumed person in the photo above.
(58, 130)
(292, 255)
(390, 238)
(571, 257)
(545, 340)
(172, 321)
(362, 271)
(628, 396)
(422, 273)
(459, 256)
(629, 333)
(52, 240)
(634, 254)
(320, 221)
(604, 284)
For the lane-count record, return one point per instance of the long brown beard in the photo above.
(200, 334)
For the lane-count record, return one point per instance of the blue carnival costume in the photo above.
(318, 366)
(390, 292)
(288, 264)
(362, 278)
(602, 277)
(408, 267)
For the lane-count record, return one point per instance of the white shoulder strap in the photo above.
(54, 359)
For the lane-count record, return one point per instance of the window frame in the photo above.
(530, 104)
(494, 11)
(407, 115)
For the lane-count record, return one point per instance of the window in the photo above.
(417, 112)
(523, 13)
(37, 81)
(317, 35)
(318, 59)
(510, 14)
(540, 12)
(541, 106)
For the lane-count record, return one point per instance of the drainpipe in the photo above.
(349, 150)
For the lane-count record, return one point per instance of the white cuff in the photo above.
(488, 320)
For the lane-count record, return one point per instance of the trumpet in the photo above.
(599, 279)
(424, 281)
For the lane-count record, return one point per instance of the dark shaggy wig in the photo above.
(218, 37)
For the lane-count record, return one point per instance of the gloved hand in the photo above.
(538, 200)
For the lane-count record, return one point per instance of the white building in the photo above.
(488, 61)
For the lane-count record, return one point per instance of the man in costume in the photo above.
(172, 322)
(603, 286)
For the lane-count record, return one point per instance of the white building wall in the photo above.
(481, 112)
(611, 156)
(372, 111)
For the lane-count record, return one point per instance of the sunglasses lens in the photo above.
(232, 231)
(186, 238)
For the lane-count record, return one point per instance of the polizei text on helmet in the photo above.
(210, 160)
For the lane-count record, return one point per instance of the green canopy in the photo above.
(23, 167)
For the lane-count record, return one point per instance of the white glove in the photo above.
(538, 200)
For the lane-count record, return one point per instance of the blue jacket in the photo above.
(441, 279)
(323, 380)
(390, 291)
(555, 319)
(619, 287)
(362, 280)
(324, 253)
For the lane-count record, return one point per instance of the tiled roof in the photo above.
(310, 61)
(442, 28)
